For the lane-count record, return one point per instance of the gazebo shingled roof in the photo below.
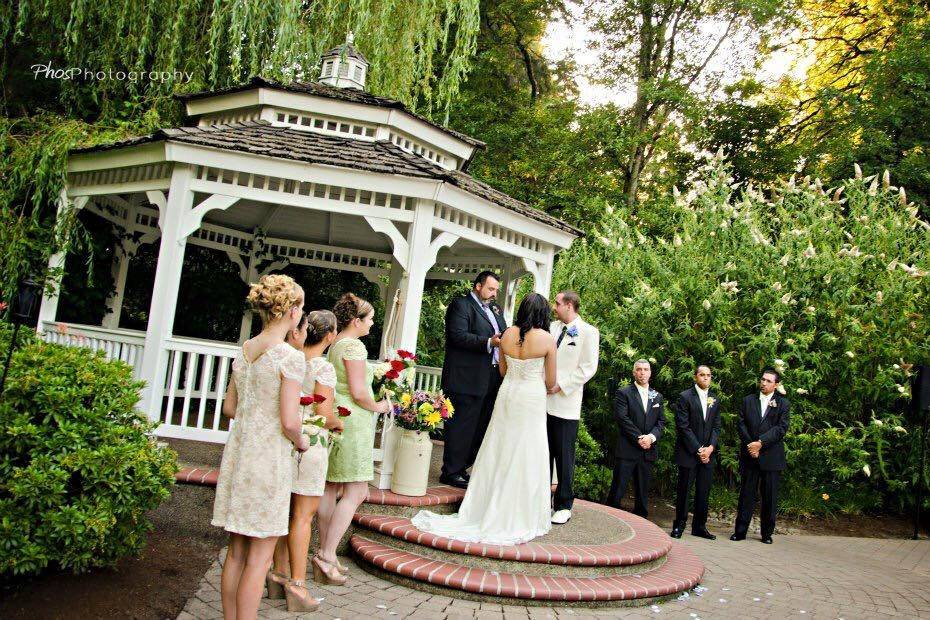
(263, 138)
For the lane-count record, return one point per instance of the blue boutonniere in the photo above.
(572, 331)
(652, 394)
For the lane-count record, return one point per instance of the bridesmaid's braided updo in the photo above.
(350, 307)
(319, 323)
(274, 296)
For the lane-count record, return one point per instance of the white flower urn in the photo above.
(411, 463)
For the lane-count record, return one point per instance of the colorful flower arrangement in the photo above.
(422, 411)
(395, 375)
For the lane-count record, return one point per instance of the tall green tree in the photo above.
(667, 50)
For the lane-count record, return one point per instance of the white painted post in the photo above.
(391, 318)
(509, 290)
(165, 290)
(120, 270)
(542, 283)
(245, 328)
(49, 307)
(411, 285)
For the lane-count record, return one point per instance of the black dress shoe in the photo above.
(676, 532)
(457, 481)
(767, 540)
(703, 534)
(737, 537)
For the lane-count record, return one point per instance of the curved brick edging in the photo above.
(435, 496)
(648, 542)
(682, 571)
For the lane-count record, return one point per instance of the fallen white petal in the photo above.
(757, 599)
(723, 600)
(381, 606)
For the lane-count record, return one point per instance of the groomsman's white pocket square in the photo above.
(655, 406)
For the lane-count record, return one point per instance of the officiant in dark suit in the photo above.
(697, 425)
(470, 374)
(762, 426)
(640, 413)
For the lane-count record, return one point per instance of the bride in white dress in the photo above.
(508, 496)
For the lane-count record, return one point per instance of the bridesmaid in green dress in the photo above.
(351, 466)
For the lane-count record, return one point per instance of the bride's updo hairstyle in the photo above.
(274, 296)
(350, 307)
(534, 312)
(319, 323)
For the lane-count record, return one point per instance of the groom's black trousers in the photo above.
(464, 431)
(562, 435)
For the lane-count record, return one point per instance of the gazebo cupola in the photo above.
(344, 66)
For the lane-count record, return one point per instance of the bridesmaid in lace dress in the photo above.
(313, 335)
(254, 486)
(350, 462)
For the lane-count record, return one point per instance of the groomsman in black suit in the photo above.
(762, 425)
(470, 374)
(697, 421)
(639, 411)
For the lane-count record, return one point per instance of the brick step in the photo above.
(628, 540)
(681, 571)
(440, 495)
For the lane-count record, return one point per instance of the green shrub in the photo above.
(592, 479)
(77, 469)
(830, 286)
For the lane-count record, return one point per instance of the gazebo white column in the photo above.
(391, 307)
(56, 262)
(171, 212)
(120, 270)
(422, 252)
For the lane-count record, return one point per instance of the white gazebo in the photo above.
(316, 173)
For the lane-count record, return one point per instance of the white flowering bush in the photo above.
(830, 286)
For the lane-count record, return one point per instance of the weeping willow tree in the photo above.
(77, 72)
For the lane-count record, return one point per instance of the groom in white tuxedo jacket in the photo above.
(576, 362)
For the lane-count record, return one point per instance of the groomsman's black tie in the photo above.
(562, 335)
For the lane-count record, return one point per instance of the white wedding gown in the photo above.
(508, 497)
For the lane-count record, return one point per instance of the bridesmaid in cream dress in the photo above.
(254, 485)
(313, 335)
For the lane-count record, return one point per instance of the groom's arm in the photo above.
(587, 363)
(457, 326)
